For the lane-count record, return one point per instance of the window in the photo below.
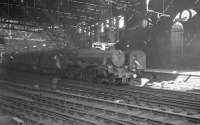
(185, 15)
(121, 21)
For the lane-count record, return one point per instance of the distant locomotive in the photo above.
(112, 66)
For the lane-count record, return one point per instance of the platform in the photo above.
(173, 71)
(173, 79)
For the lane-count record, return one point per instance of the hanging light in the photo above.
(44, 45)
(102, 27)
(114, 20)
(79, 29)
(107, 23)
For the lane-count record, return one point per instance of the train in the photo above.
(112, 66)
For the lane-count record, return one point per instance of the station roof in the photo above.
(74, 11)
(37, 15)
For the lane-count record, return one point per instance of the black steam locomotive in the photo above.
(113, 66)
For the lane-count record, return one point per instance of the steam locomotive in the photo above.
(113, 66)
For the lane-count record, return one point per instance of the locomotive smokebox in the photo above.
(118, 58)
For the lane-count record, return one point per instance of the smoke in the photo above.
(147, 5)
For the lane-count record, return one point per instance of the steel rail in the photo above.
(165, 103)
(22, 105)
(125, 106)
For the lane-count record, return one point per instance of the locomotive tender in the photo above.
(113, 66)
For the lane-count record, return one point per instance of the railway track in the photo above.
(124, 112)
(135, 97)
(26, 118)
(57, 111)
(188, 105)
(192, 96)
